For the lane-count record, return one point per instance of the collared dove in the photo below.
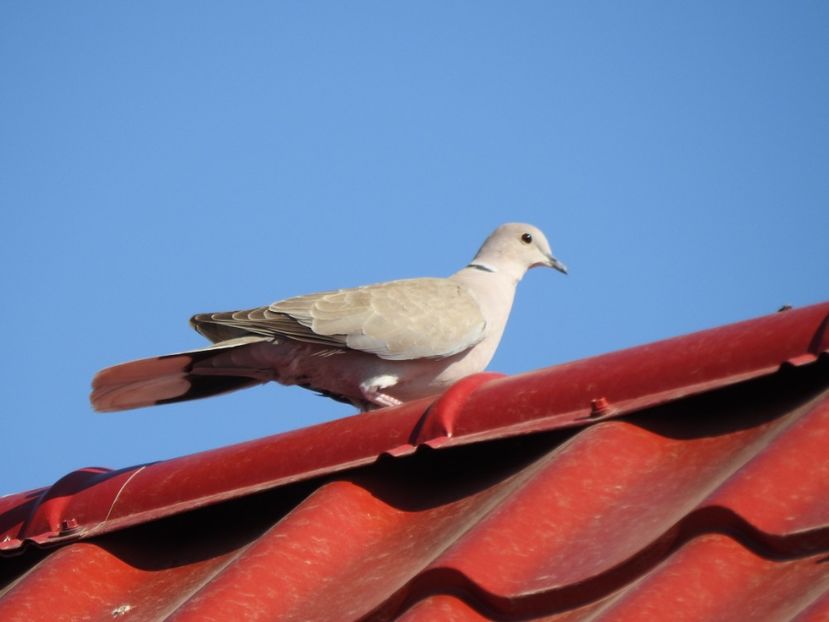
(371, 346)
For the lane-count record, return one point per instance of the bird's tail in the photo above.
(175, 377)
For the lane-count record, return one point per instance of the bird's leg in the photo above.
(372, 390)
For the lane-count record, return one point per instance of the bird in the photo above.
(372, 346)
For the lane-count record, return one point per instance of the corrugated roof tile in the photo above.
(699, 492)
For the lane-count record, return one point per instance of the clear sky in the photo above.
(159, 159)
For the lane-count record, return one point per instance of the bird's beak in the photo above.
(555, 263)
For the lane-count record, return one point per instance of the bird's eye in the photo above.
(527, 238)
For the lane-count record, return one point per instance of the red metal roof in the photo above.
(686, 480)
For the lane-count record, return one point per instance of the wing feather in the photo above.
(398, 320)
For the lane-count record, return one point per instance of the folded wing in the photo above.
(398, 320)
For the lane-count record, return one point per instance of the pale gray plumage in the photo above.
(399, 320)
(373, 346)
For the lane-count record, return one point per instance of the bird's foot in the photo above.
(386, 400)
(372, 390)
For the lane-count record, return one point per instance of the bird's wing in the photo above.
(398, 320)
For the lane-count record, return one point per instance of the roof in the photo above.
(686, 479)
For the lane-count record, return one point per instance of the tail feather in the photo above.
(171, 378)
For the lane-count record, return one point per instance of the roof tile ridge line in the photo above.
(422, 586)
(214, 574)
(492, 504)
(788, 546)
(92, 530)
(740, 460)
(722, 520)
(809, 608)
(672, 538)
(618, 578)
(751, 537)
(738, 463)
(175, 605)
(764, 441)
(728, 524)
(611, 601)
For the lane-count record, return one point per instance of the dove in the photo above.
(371, 346)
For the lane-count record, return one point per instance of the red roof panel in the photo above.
(699, 491)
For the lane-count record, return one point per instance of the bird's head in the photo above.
(516, 247)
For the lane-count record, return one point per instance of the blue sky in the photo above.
(159, 159)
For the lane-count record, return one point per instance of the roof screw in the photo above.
(68, 526)
(598, 407)
(784, 308)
